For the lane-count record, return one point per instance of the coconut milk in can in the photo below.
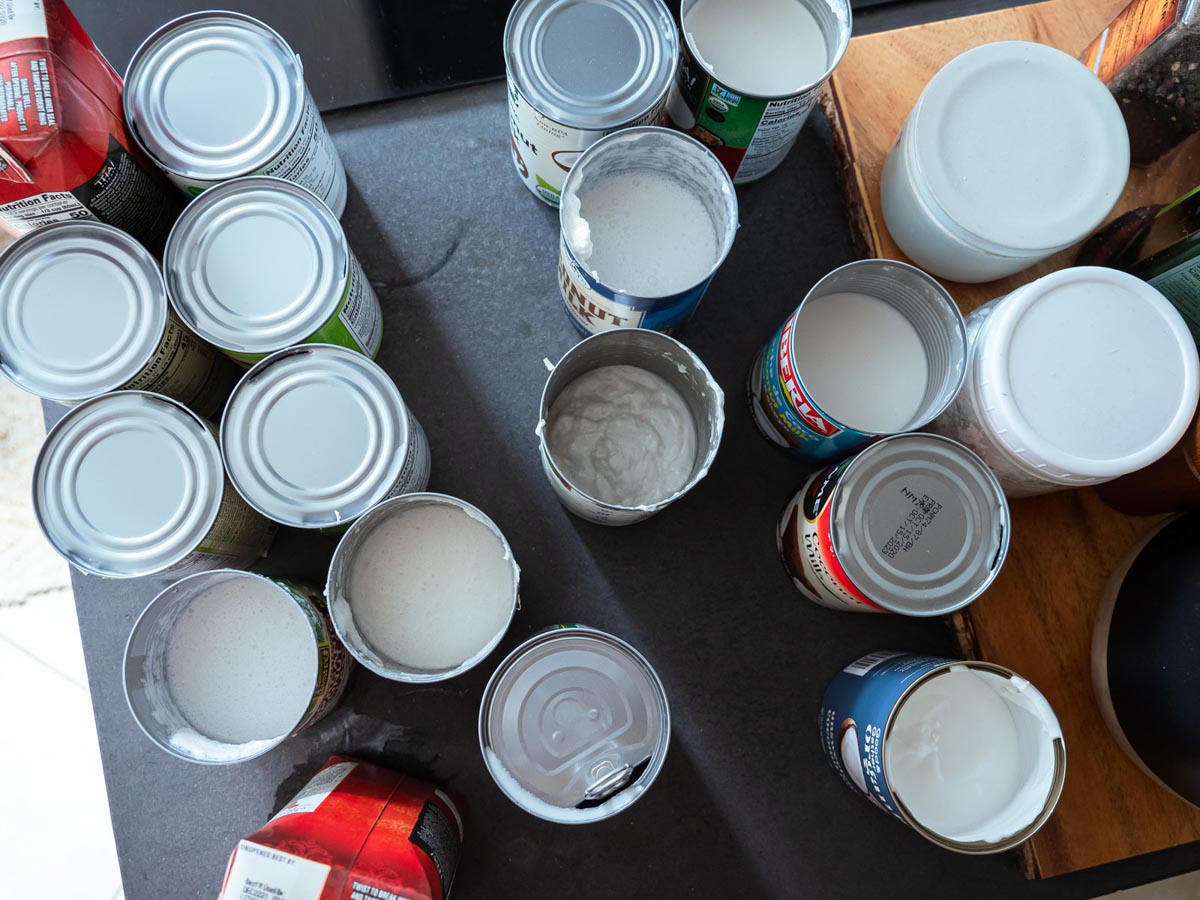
(216, 95)
(577, 71)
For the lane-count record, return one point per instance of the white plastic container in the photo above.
(1080, 377)
(1013, 152)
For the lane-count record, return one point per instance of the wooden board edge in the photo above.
(849, 177)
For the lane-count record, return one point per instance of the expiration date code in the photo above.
(918, 520)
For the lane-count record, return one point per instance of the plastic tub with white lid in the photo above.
(1013, 152)
(1080, 377)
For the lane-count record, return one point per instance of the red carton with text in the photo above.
(355, 832)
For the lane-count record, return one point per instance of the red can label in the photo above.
(807, 546)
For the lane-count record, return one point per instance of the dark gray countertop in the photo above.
(463, 260)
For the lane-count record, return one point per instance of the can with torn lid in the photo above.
(314, 436)
(574, 725)
(558, 105)
(258, 264)
(151, 684)
(131, 483)
(356, 548)
(915, 524)
(662, 356)
(215, 95)
(667, 181)
(746, 108)
(86, 313)
(968, 754)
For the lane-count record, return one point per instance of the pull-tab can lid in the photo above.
(574, 725)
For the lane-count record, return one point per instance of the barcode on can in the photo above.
(865, 664)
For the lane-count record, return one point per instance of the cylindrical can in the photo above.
(599, 301)
(215, 95)
(1077, 378)
(131, 483)
(784, 408)
(915, 524)
(428, 597)
(1046, 159)
(85, 312)
(250, 640)
(662, 356)
(1144, 655)
(314, 436)
(258, 264)
(889, 720)
(558, 107)
(574, 725)
(750, 132)
(1170, 485)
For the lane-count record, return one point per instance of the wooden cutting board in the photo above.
(1037, 617)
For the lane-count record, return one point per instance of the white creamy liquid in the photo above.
(431, 587)
(642, 232)
(861, 361)
(241, 662)
(765, 47)
(953, 754)
(622, 435)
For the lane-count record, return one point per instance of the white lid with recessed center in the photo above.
(1087, 372)
(1020, 146)
(127, 484)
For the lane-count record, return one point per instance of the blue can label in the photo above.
(855, 711)
(785, 413)
(594, 307)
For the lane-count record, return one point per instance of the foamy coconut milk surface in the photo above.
(623, 435)
(642, 232)
(431, 587)
(241, 663)
(769, 48)
(861, 361)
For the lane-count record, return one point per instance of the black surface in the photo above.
(463, 259)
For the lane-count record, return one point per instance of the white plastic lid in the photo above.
(82, 310)
(1020, 145)
(1087, 372)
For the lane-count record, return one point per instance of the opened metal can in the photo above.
(574, 725)
(216, 95)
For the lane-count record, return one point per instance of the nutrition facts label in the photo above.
(414, 476)
(781, 123)
(310, 159)
(360, 311)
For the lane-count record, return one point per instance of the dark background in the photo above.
(463, 260)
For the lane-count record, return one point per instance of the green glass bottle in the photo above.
(1169, 257)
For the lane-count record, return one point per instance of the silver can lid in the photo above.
(920, 524)
(574, 725)
(127, 484)
(314, 436)
(83, 309)
(256, 264)
(214, 95)
(591, 64)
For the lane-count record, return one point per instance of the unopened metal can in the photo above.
(574, 725)
(341, 600)
(783, 407)
(315, 435)
(85, 312)
(215, 95)
(656, 353)
(258, 264)
(595, 305)
(916, 524)
(750, 134)
(131, 483)
(577, 71)
(148, 692)
(857, 723)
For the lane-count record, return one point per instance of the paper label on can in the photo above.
(187, 369)
(418, 463)
(854, 714)
(593, 307)
(239, 536)
(259, 873)
(807, 546)
(1181, 285)
(31, 213)
(333, 662)
(749, 135)
(543, 150)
